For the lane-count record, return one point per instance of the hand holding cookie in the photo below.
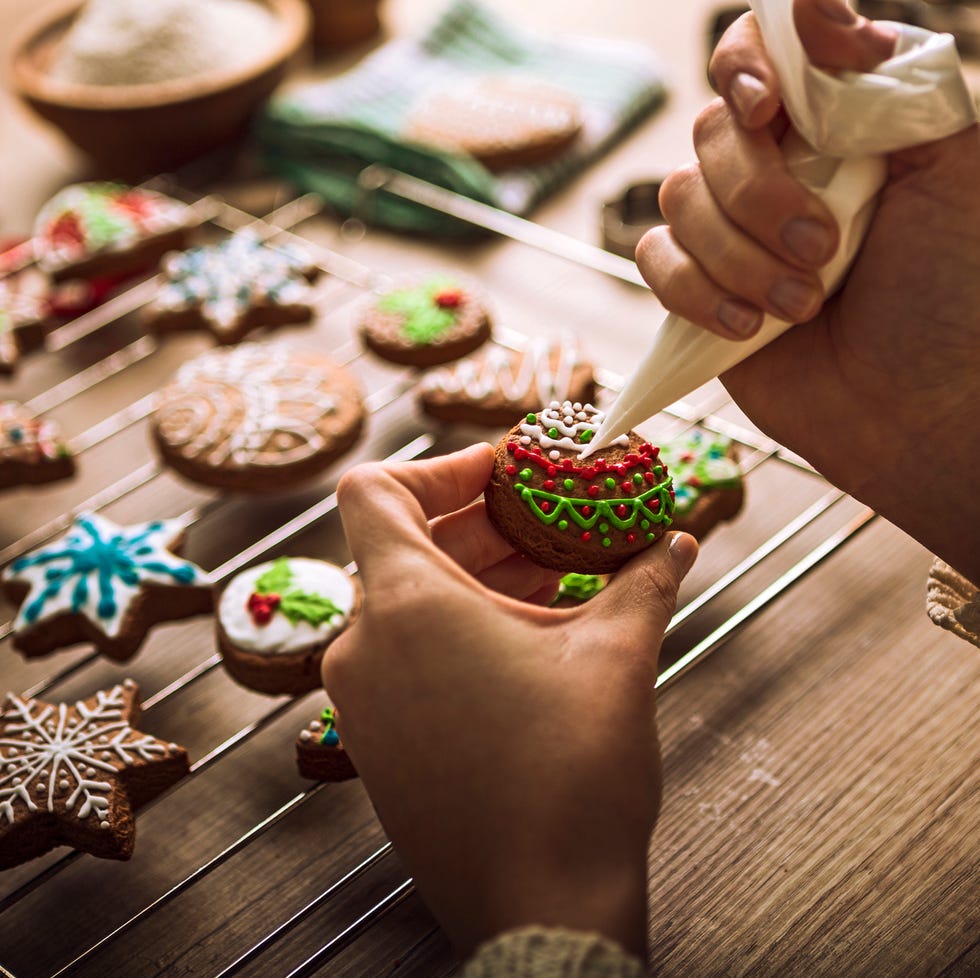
(478, 720)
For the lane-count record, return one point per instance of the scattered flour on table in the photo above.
(133, 42)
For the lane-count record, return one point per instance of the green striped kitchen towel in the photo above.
(320, 135)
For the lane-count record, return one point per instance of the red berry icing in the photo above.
(449, 299)
(261, 607)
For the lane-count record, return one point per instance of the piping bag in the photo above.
(843, 125)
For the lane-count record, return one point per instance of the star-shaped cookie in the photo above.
(103, 583)
(73, 774)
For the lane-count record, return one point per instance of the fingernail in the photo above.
(808, 239)
(837, 11)
(747, 92)
(795, 301)
(683, 550)
(739, 318)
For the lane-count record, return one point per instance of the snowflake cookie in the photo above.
(73, 774)
(103, 583)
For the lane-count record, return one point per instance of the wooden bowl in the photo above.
(132, 131)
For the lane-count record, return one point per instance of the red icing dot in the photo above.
(545, 506)
(626, 486)
(593, 491)
(694, 481)
(511, 470)
(449, 299)
(621, 510)
(630, 537)
(552, 471)
(631, 458)
(549, 484)
(654, 504)
(586, 536)
(567, 465)
(511, 447)
(648, 476)
(586, 510)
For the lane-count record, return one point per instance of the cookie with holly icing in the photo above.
(93, 230)
(73, 774)
(233, 287)
(503, 120)
(570, 514)
(424, 322)
(708, 484)
(494, 385)
(103, 583)
(320, 756)
(32, 449)
(275, 621)
(257, 417)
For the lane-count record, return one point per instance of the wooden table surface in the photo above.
(822, 762)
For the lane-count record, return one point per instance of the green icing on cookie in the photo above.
(696, 462)
(424, 319)
(295, 604)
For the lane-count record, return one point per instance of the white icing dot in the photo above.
(41, 787)
(107, 755)
(305, 735)
(315, 726)
(128, 683)
(577, 406)
(103, 739)
(569, 419)
(16, 780)
(63, 785)
(554, 455)
(525, 439)
(103, 825)
(554, 405)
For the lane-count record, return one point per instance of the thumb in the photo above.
(643, 594)
(836, 38)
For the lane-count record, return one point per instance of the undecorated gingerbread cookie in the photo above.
(494, 385)
(570, 514)
(275, 621)
(74, 774)
(257, 417)
(502, 120)
(424, 322)
(320, 755)
(32, 449)
(91, 230)
(234, 287)
(103, 583)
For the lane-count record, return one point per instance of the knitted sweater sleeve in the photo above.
(539, 952)
(953, 602)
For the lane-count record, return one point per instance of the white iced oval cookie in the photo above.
(286, 605)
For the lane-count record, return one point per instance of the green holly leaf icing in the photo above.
(303, 606)
(424, 321)
(276, 579)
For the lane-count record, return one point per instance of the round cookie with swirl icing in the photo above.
(275, 621)
(495, 384)
(568, 514)
(424, 322)
(257, 417)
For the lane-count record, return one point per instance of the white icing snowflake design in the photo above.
(97, 569)
(61, 758)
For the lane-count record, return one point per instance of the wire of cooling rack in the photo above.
(278, 225)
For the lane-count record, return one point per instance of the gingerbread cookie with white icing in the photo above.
(425, 322)
(320, 756)
(257, 417)
(73, 774)
(91, 230)
(32, 449)
(275, 621)
(494, 385)
(708, 484)
(23, 320)
(570, 514)
(233, 287)
(502, 120)
(103, 583)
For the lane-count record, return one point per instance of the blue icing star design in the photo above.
(97, 569)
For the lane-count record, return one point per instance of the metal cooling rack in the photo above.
(346, 280)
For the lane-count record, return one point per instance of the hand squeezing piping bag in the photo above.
(843, 125)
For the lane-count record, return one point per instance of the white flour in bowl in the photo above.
(135, 42)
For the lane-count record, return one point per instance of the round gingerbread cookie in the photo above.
(424, 322)
(32, 449)
(320, 755)
(92, 230)
(572, 514)
(708, 484)
(494, 385)
(501, 120)
(257, 417)
(23, 319)
(233, 287)
(275, 621)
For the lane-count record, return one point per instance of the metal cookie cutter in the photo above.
(627, 217)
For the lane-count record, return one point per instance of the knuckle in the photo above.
(709, 121)
(676, 190)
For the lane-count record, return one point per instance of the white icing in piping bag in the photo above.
(846, 123)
